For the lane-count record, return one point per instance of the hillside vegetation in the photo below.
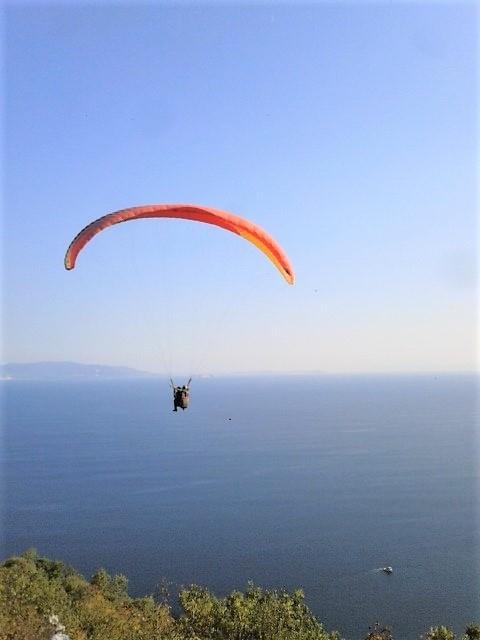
(32, 589)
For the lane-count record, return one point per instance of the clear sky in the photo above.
(347, 130)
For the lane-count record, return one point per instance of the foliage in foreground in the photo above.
(33, 588)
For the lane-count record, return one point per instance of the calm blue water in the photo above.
(315, 482)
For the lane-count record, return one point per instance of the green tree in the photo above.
(34, 588)
(379, 632)
(256, 614)
(472, 632)
(114, 588)
(439, 633)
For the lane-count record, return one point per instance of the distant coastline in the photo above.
(68, 371)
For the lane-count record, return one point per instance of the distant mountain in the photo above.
(67, 371)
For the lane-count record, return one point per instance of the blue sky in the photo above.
(348, 131)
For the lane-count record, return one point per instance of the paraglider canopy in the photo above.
(228, 221)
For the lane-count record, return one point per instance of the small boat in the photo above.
(387, 570)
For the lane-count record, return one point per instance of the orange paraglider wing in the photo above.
(228, 221)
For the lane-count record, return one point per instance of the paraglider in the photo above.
(181, 395)
(228, 221)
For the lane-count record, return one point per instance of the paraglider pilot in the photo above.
(180, 395)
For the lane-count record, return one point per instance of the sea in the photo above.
(311, 481)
